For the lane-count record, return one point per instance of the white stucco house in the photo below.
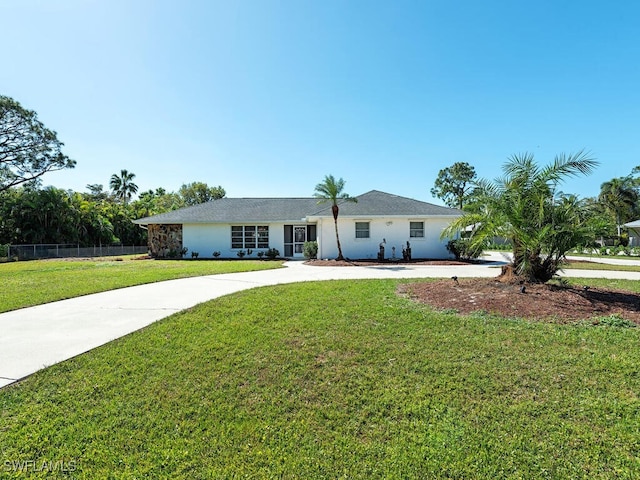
(228, 225)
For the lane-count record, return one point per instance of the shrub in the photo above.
(617, 250)
(455, 248)
(623, 239)
(177, 253)
(260, 254)
(461, 249)
(310, 249)
(216, 254)
(240, 253)
(194, 254)
(272, 253)
(612, 321)
(503, 246)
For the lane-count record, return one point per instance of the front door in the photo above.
(299, 237)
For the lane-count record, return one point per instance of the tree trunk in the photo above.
(334, 210)
(508, 275)
(340, 257)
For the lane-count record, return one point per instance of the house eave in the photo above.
(380, 217)
(224, 222)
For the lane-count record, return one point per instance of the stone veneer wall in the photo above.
(165, 240)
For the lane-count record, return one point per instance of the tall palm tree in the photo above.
(619, 196)
(122, 186)
(524, 207)
(331, 190)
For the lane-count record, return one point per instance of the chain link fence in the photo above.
(33, 252)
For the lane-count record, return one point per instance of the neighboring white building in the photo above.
(634, 233)
(228, 225)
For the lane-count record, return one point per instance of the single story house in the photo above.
(229, 225)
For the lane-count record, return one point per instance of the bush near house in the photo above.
(272, 253)
(310, 249)
(462, 249)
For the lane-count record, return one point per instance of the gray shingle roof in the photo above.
(381, 204)
(231, 210)
(254, 210)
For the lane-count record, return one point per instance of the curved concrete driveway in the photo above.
(36, 337)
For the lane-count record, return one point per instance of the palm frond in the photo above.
(580, 163)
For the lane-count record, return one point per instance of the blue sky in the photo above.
(265, 97)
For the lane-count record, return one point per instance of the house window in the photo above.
(416, 229)
(250, 236)
(362, 229)
(262, 236)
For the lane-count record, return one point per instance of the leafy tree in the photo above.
(44, 216)
(51, 215)
(93, 225)
(122, 186)
(199, 192)
(454, 184)
(153, 202)
(597, 221)
(8, 228)
(331, 190)
(525, 207)
(619, 196)
(28, 149)
(124, 230)
(97, 192)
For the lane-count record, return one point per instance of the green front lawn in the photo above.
(595, 265)
(338, 379)
(25, 284)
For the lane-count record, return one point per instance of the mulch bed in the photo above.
(539, 301)
(504, 297)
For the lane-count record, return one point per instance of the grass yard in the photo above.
(594, 265)
(340, 379)
(25, 284)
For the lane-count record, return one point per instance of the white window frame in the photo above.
(362, 233)
(249, 236)
(415, 232)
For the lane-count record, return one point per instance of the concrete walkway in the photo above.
(36, 337)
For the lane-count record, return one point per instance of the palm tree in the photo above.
(524, 207)
(619, 196)
(122, 186)
(331, 190)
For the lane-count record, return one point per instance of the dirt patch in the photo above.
(533, 301)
